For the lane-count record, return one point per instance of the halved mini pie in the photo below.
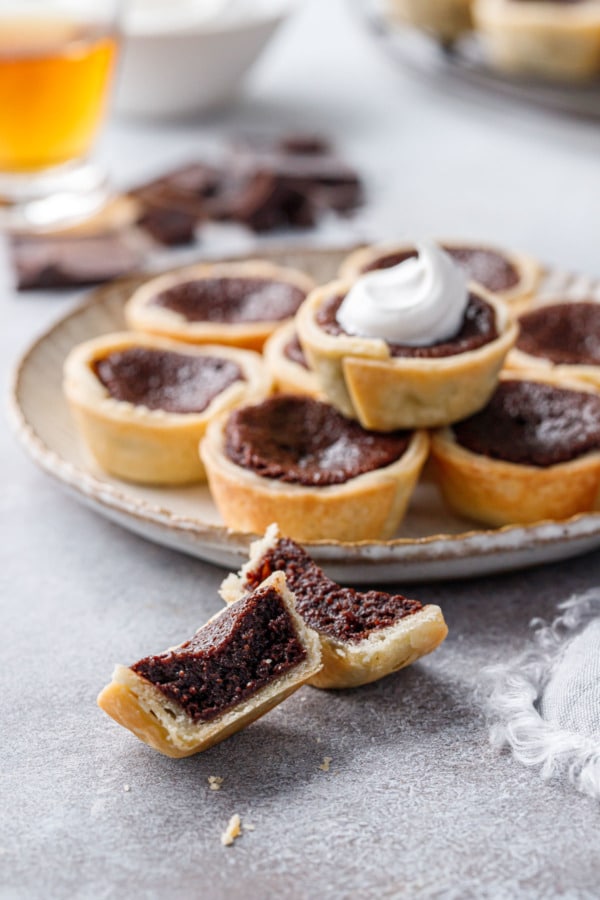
(444, 19)
(297, 461)
(560, 336)
(143, 403)
(510, 275)
(287, 363)
(532, 453)
(239, 304)
(364, 635)
(555, 39)
(387, 386)
(243, 662)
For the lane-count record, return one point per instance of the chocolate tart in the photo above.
(242, 663)
(512, 276)
(388, 386)
(287, 363)
(296, 461)
(364, 636)
(554, 39)
(560, 336)
(532, 454)
(444, 19)
(143, 403)
(239, 304)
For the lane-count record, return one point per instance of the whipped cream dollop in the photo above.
(419, 302)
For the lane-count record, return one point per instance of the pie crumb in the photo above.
(126, 788)
(248, 827)
(324, 767)
(233, 831)
(215, 782)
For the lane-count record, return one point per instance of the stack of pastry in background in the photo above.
(555, 40)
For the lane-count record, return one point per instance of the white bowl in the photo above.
(175, 65)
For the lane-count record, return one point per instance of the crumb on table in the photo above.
(233, 831)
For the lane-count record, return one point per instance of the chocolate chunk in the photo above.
(183, 190)
(336, 611)
(160, 379)
(171, 227)
(53, 262)
(303, 441)
(249, 645)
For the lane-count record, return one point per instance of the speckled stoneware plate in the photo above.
(432, 543)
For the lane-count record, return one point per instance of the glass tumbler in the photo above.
(57, 60)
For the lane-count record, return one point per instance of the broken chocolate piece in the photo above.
(171, 227)
(42, 261)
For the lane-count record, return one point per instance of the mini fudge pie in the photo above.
(239, 304)
(412, 346)
(142, 403)
(287, 363)
(562, 336)
(364, 636)
(514, 277)
(444, 19)
(298, 461)
(242, 663)
(556, 39)
(532, 453)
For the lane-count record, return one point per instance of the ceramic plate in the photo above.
(432, 543)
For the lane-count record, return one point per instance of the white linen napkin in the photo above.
(545, 704)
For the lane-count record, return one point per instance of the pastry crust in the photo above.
(161, 723)
(367, 507)
(503, 493)
(348, 664)
(527, 268)
(142, 315)
(362, 379)
(519, 360)
(444, 19)
(550, 40)
(289, 376)
(150, 446)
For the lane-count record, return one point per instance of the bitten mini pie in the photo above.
(555, 39)
(239, 304)
(287, 363)
(299, 462)
(444, 19)
(143, 403)
(512, 276)
(364, 636)
(560, 336)
(532, 453)
(242, 663)
(444, 364)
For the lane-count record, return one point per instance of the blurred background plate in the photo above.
(464, 64)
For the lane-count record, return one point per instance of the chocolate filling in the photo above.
(489, 268)
(564, 333)
(162, 379)
(478, 328)
(294, 352)
(248, 646)
(227, 300)
(338, 612)
(534, 424)
(303, 441)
